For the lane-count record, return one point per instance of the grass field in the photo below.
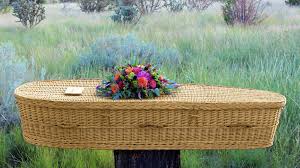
(265, 56)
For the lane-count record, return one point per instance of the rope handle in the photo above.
(240, 126)
(151, 126)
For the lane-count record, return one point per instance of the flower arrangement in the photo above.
(135, 81)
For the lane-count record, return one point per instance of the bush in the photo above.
(29, 12)
(125, 2)
(293, 2)
(175, 5)
(10, 77)
(148, 6)
(126, 14)
(11, 2)
(108, 52)
(199, 4)
(4, 6)
(12, 74)
(93, 5)
(245, 12)
(41, 1)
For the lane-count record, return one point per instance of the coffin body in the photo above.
(193, 117)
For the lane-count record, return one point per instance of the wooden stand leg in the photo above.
(147, 159)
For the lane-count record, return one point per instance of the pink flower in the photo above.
(152, 84)
(136, 70)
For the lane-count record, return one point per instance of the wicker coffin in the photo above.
(195, 117)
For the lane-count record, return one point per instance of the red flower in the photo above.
(117, 76)
(114, 88)
(152, 84)
(142, 82)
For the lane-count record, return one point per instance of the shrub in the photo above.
(93, 5)
(125, 2)
(29, 12)
(4, 6)
(11, 2)
(126, 14)
(245, 12)
(12, 74)
(108, 52)
(199, 4)
(293, 2)
(41, 1)
(175, 5)
(148, 6)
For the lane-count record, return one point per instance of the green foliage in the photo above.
(293, 2)
(19, 150)
(4, 149)
(125, 14)
(15, 152)
(29, 12)
(93, 5)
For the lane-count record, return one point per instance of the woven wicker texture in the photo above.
(194, 117)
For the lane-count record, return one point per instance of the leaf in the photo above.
(157, 92)
(172, 86)
(150, 93)
(117, 96)
(131, 75)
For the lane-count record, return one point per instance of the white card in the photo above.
(74, 90)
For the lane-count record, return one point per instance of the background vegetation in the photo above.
(205, 50)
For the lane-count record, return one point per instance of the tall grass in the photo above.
(212, 53)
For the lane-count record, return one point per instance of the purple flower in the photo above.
(136, 70)
(144, 74)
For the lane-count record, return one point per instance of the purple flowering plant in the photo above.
(135, 81)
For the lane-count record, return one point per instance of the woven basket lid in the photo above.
(187, 96)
